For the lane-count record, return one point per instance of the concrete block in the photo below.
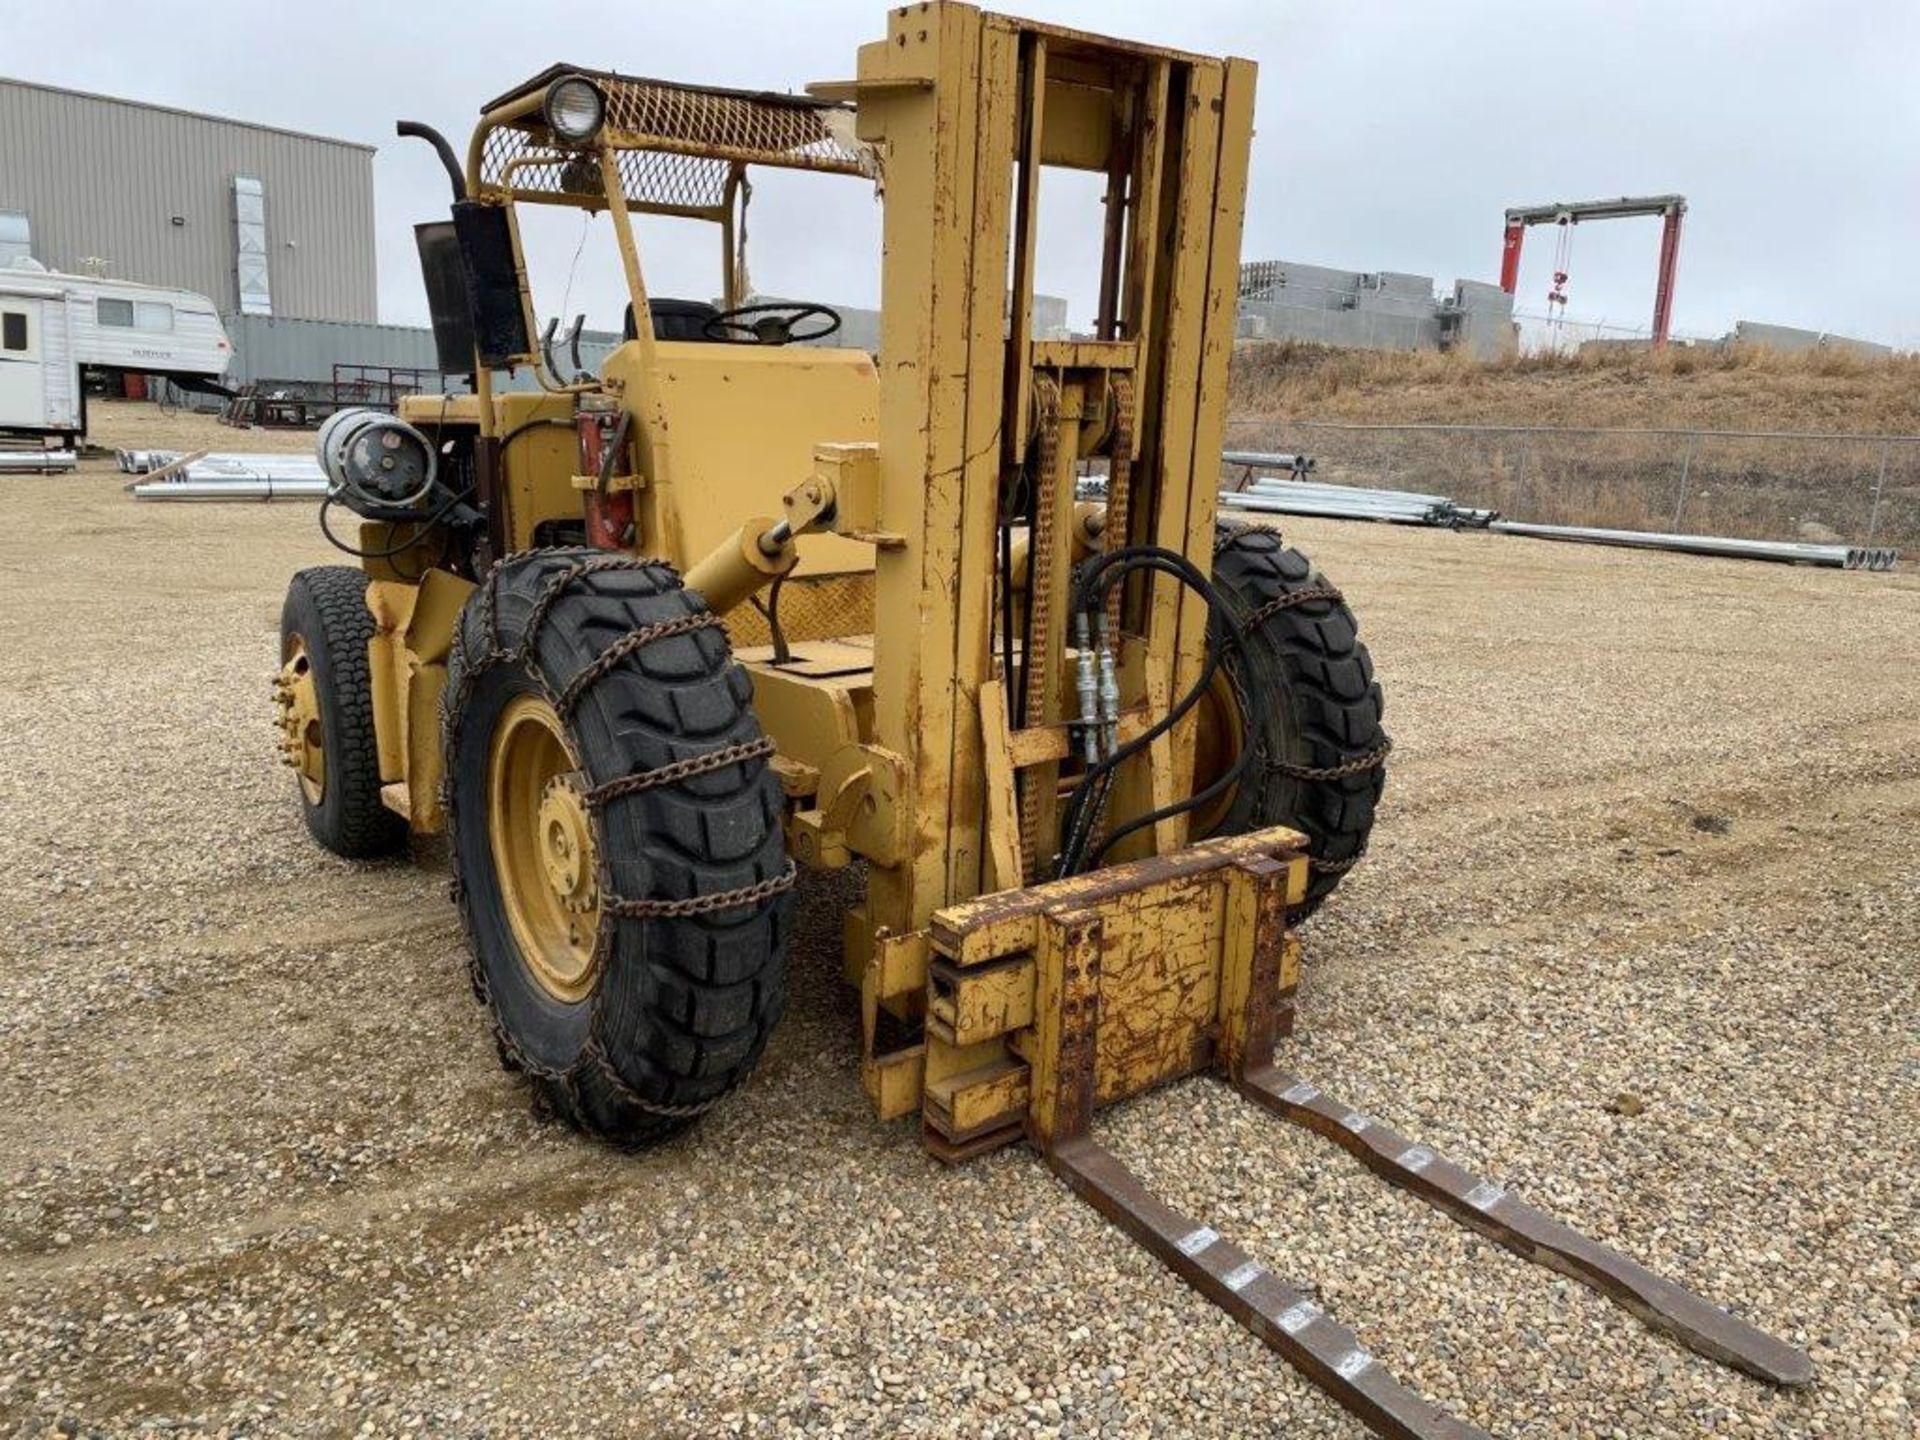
(1482, 295)
(1383, 309)
(1793, 338)
(1396, 282)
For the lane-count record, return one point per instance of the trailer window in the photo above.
(153, 316)
(13, 330)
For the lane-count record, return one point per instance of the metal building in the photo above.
(261, 220)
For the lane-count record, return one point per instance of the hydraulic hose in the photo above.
(1090, 590)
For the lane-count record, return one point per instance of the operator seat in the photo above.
(675, 320)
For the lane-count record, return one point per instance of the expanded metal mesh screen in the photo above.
(775, 129)
(677, 143)
(516, 159)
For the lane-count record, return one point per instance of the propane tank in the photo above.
(376, 461)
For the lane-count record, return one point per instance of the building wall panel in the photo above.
(102, 179)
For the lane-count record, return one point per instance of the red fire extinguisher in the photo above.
(603, 455)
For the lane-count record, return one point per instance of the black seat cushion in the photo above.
(674, 320)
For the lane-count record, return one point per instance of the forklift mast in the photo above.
(969, 109)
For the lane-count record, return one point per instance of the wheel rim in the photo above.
(544, 853)
(298, 696)
(1218, 737)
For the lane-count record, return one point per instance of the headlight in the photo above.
(575, 109)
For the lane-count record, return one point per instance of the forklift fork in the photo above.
(1256, 971)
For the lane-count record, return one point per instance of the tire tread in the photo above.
(1312, 654)
(688, 1003)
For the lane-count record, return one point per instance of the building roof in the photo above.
(189, 114)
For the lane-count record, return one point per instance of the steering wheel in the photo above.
(770, 324)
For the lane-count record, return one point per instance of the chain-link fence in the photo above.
(1538, 333)
(1750, 484)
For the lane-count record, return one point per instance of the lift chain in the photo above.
(1119, 490)
(679, 770)
(1039, 602)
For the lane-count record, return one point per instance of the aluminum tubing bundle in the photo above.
(141, 462)
(1287, 488)
(252, 467)
(1402, 513)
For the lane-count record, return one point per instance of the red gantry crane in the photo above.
(1566, 214)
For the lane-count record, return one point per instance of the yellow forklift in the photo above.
(642, 642)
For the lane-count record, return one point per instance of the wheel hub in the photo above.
(297, 697)
(566, 842)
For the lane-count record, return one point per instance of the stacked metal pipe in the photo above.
(1352, 502)
(229, 477)
(1791, 552)
(1295, 464)
(37, 462)
(1273, 494)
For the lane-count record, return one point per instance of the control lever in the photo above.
(573, 347)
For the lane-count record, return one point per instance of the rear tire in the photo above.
(669, 1012)
(1319, 765)
(326, 613)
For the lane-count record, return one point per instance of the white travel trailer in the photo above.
(54, 326)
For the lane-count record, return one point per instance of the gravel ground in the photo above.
(1638, 936)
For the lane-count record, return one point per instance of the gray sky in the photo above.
(1391, 133)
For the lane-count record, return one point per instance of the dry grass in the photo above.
(1814, 489)
(1734, 389)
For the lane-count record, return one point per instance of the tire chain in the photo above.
(1230, 535)
(1305, 595)
(1335, 867)
(602, 664)
(1360, 764)
(651, 908)
(679, 770)
(512, 1055)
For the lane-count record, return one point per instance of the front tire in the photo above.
(618, 858)
(325, 693)
(1307, 681)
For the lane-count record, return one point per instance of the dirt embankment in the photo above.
(1682, 388)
